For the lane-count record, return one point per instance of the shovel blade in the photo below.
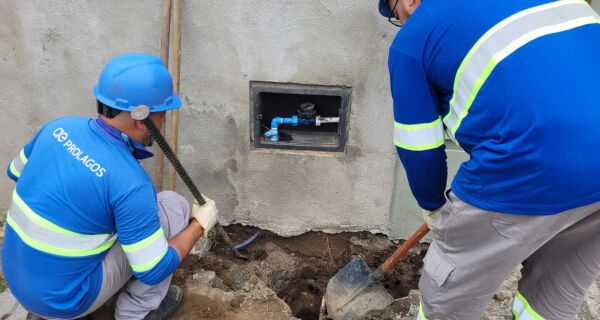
(351, 293)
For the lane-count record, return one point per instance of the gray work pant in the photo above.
(474, 250)
(138, 299)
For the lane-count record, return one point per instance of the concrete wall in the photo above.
(52, 52)
(314, 42)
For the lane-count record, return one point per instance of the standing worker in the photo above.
(515, 84)
(85, 216)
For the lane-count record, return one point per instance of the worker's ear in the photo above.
(411, 3)
(139, 124)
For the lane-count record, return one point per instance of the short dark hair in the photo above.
(107, 111)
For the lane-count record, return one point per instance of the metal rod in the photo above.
(176, 70)
(164, 56)
(172, 157)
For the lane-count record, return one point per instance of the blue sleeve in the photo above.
(418, 129)
(10, 174)
(142, 237)
(17, 164)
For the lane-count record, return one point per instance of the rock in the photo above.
(372, 243)
(203, 246)
(204, 277)
(252, 300)
(501, 296)
(590, 309)
(10, 309)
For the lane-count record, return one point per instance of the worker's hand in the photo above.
(206, 215)
(431, 217)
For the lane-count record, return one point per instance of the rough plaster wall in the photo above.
(314, 42)
(596, 5)
(52, 52)
(405, 214)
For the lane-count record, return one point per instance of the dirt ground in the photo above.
(285, 277)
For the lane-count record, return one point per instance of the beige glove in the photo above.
(431, 217)
(206, 215)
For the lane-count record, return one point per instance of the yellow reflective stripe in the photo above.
(23, 157)
(418, 126)
(149, 265)
(14, 170)
(422, 147)
(147, 253)
(44, 222)
(45, 236)
(525, 313)
(144, 243)
(421, 313)
(512, 47)
(487, 51)
(18, 163)
(52, 249)
(419, 137)
(495, 29)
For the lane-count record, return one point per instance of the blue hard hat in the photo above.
(134, 79)
(384, 9)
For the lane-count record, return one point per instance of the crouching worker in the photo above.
(85, 216)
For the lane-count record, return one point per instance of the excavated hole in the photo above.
(294, 269)
(317, 257)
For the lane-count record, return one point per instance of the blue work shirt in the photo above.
(82, 176)
(524, 78)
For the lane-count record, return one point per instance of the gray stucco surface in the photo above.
(314, 42)
(52, 52)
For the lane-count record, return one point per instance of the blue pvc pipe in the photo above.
(247, 242)
(273, 134)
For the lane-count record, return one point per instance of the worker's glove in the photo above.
(206, 215)
(431, 217)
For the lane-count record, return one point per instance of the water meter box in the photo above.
(299, 117)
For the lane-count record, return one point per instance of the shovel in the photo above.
(356, 289)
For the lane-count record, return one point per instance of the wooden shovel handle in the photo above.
(389, 264)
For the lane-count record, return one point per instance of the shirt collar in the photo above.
(136, 148)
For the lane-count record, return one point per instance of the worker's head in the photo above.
(400, 10)
(123, 121)
(131, 80)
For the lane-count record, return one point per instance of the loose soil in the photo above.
(286, 277)
(301, 278)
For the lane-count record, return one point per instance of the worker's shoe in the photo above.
(168, 306)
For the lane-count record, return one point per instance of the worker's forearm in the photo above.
(185, 240)
(426, 172)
